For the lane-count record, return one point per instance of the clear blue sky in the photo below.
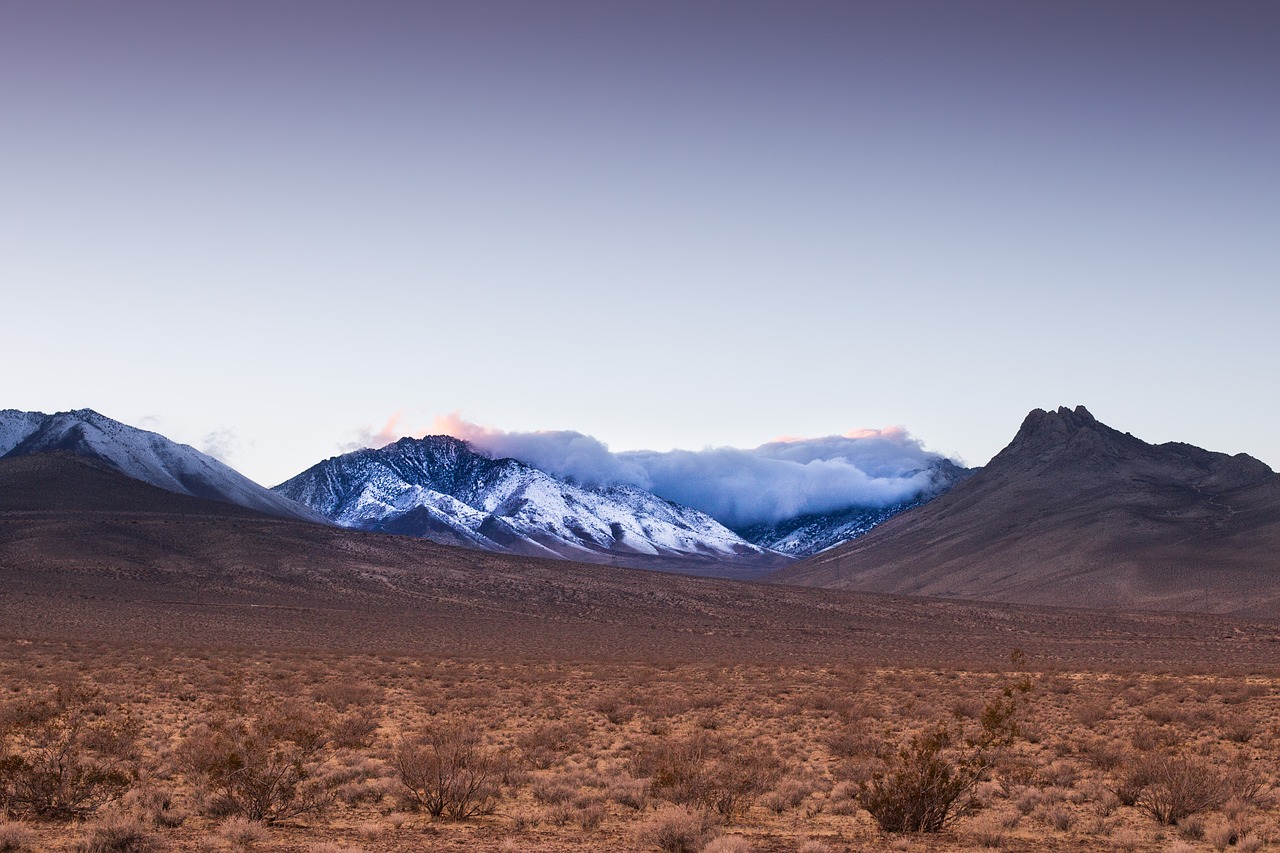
(665, 224)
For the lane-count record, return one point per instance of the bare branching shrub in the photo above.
(1247, 785)
(678, 829)
(927, 786)
(704, 770)
(118, 834)
(1134, 778)
(1176, 787)
(65, 754)
(262, 767)
(447, 772)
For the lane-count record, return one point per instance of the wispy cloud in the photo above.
(371, 436)
(222, 444)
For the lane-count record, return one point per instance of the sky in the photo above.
(268, 229)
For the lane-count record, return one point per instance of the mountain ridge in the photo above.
(142, 455)
(1074, 510)
(439, 488)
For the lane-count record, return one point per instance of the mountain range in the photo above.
(1071, 512)
(1075, 512)
(441, 489)
(438, 488)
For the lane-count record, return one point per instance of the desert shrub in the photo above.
(154, 805)
(1093, 711)
(353, 730)
(118, 834)
(1250, 844)
(549, 742)
(344, 695)
(926, 786)
(1246, 785)
(1176, 787)
(1191, 829)
(855, 740)
(242, 833)
(632, 793)
(678, 829)
(617, 707)
(262, 767)
(1221, 834)
(65, 754)
(16, 838)
(789, 794)
(708, 771)
(1239, 728)
(446, 771)
(1057, 816)
(989, 830)
(1133, 780)
(728, 844)
(553, 790)
(814, 846)
(589, 816)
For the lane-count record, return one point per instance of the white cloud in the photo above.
(772, 482)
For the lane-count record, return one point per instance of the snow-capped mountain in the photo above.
(806, 535)
(143, 455)
(439, 488)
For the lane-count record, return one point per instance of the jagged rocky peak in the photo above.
(1041, 425)
(1066, 435)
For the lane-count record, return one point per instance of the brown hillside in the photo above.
(88, 555)
(1075, 513)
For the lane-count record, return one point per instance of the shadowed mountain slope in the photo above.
(1076, 513)
(87, 555)
(142, 455)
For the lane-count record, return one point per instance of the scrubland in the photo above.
(141, 749)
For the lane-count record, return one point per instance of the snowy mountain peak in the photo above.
(143, 455)
(438, 488)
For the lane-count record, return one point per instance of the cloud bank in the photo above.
(739, 487)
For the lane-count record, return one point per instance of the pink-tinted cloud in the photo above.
(370, 436)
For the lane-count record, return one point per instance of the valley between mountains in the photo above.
(1071, 512)
(1110, 604)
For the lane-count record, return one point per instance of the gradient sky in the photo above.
(261, 228)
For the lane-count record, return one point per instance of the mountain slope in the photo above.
(142, 455)
(438, 488)
(89, 557)
(1074, 512)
